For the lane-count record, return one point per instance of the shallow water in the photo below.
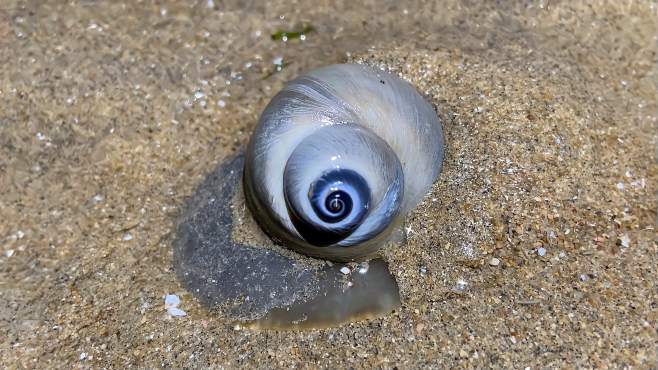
(536, 247)
(367, 292)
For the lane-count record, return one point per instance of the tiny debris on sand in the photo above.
(171, 303)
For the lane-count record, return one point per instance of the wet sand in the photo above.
(536, 248)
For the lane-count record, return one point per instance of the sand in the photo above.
(536, 248)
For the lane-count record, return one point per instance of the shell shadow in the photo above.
(259, 286)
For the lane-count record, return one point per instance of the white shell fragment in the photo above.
(172, 302)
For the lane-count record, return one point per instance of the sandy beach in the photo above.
(536, 248)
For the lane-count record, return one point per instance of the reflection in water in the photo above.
(368, 291)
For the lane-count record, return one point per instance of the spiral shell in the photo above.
(337, 157)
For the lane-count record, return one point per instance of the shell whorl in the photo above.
(329, 132)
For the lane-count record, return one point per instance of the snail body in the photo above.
(338, 156)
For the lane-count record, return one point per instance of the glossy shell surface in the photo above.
(338, 119)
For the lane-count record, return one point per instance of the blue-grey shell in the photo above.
(343, 116)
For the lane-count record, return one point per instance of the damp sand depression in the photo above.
(536, 247)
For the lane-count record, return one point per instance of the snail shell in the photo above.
(338, 156)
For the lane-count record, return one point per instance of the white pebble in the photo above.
(171, 304)
(541, 251)
(172, 300)
(345, 270)
(127, 236)
(494, 262)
